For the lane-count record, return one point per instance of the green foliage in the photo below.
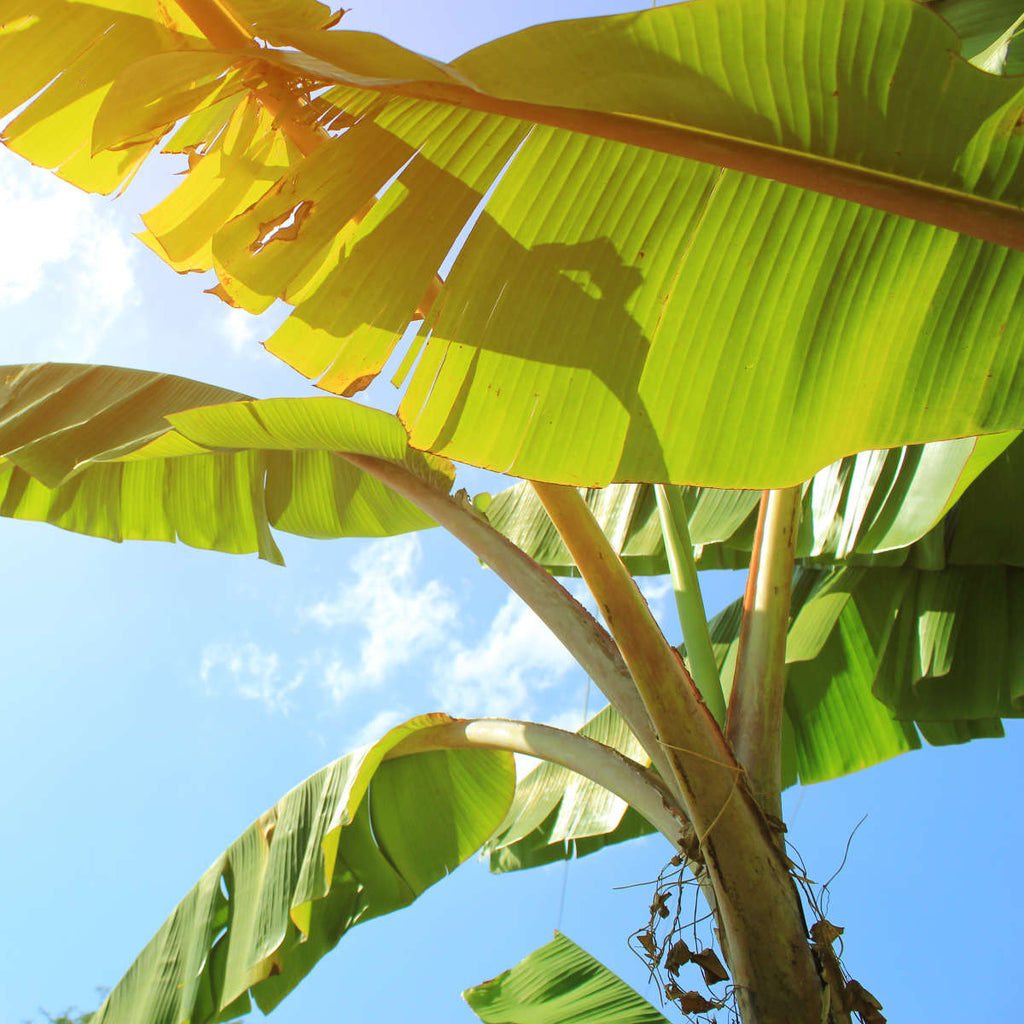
(360, 838)
(727, 243)
(560, 983)
(117, 454)
(563, 348)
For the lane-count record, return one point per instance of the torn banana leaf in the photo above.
(652, 291)
(134, 455)
(362, 837)
(876, 657)
(865, 509)
(558, 813)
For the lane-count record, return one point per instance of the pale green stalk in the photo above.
(754, 727)
(638, 786)
(689, 602)
(594, 650)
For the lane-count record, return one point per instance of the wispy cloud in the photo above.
(241, 330)
(58, 239)
(657, 592)
(499, 675)
(249, 672)
(396, 641)
(401, 621)
(377, 726)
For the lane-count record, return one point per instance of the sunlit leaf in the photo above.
(557, 812)
(125, 455)
(613, 290)
(560, 983)
(868, 505)
(362, 837)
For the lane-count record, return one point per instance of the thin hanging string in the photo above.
(565, 866)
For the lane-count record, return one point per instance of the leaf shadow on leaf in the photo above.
(585, 289)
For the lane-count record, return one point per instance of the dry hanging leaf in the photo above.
(857, 999)
(824, 933)
(694, 1002)
(678, 955)
(647, 940)
(659, 905)
(713, 968)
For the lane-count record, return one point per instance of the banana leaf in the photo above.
(126, 455)
(979, 23)
(868, 508)
(560, 983)
(650, 293)
(362, 837)
(557, 814)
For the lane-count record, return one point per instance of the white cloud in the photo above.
(654, 588)
(63, 242)
(376, 727)
(402, 621)
(408, 630)
(572, 719)
(658, 593)
(240, 330)
(250, 673)
(497, 676)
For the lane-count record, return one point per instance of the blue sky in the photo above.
(158, 698)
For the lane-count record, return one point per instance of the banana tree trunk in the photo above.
(761, 923)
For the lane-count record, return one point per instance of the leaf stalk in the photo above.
(945, 207)
(754, 728)
(579, 632)
(689, 602)
(638, 786)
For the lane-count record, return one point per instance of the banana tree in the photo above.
(635, 252)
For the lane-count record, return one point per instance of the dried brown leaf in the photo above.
(694, 1002)
(659, 906)
(857, 999)
(824, 933)
(713, 968)
(678, 955)
(647, 940)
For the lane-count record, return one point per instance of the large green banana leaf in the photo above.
(560, 983)
(557, 812)
(866, 508)
(619, 311)
(877, 658)
(360, 838)
(873, 652)
(126, 455)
